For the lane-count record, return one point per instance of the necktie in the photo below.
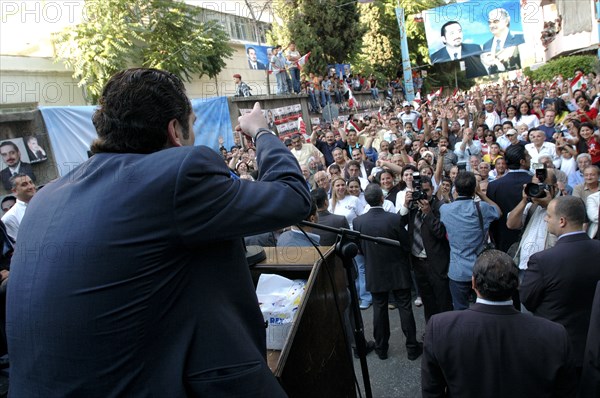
(498, 46)
(417, 246)
(14, 174)
(455, 55)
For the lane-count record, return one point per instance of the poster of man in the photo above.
(257, 57)
(14, 161)
(485, 35)
(35, 152)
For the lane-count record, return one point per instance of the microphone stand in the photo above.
(346, 248)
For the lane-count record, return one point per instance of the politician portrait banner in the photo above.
(258, 57)
(485, 35)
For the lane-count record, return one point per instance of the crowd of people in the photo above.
(491, 167)
(512, 166)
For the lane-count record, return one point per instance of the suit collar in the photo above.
(573, 238)
(494, 309)
(376, 210)
(323, 212)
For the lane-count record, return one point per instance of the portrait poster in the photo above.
(258, 57)
(35, 151)
(485, 35)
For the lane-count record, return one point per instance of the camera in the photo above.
(418, 193)
(540, 171)
(533, 190)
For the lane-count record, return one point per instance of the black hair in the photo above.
(319, 196)
(496, 275)
(373, 194)
(443, 28)
(135, 109)
(465, 183)
(513, 155)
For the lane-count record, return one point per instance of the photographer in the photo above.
(430, 252)
(528, 216)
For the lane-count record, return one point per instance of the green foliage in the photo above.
(564, 66)
(164, 34)
(329, 29)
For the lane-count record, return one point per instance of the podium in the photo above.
(316, 360)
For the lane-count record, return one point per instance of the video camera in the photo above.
(538, 190)
(418, 192)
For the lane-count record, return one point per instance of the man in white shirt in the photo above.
(491, 116)
(408, 115)
(467, 148)
(24, 189)
(539, 147)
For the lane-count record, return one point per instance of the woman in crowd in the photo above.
(355, 189)
(536, 108)
(487, 140)
(524, 116)
(511, 113)
(585, 113)
(586, 131)
(342, 203)
(406, 184)
(385, 179)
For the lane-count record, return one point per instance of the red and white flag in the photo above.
(577, 82)
(302, 126)
(303, 60)
(434, 94)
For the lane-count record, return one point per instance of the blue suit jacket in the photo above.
(133, 279)
(466, 50)
(511, 41)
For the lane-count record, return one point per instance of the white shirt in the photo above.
(491, 119)
(348, 207)
(534, 236)
(547, 149)
(387, 206)
(530, 120)
(12, 218)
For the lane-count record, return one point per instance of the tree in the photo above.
(164, 34)
(329, 29)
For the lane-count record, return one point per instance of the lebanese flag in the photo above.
(302, 126)
(434, 94)
(455, 93)
(351, 101)
(577, 82)
(303, 60)
(352, 126)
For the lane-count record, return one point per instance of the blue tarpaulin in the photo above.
(71, 130)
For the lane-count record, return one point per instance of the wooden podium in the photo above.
(316, 360)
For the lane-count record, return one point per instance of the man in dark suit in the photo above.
(430, 251)
(123, 304)
(253, 62)
(507, 193)
(388, 270)
(589, 385)
(499, 24)
(12, 157)
(454, 48)
(326, 218)
(560, 282)
(491, 350)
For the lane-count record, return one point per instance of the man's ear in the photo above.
(174, 133)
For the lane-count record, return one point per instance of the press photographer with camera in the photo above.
(528, 216)
(430, 252)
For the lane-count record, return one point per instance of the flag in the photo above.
(303, 60)
(348, 93)
(454, 93)
(302, 127)
(352, 126)
(577, 82)
(434, 94)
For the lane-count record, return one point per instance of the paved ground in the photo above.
(396, 376)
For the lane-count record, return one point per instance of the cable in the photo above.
(335, 298)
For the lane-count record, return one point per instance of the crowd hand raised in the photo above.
(251, 122)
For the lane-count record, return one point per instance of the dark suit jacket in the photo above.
(387, 267)
(330, 220)
(259, 65)
(559, 285)
(589, 386)
(25, 169)
(495, 351)
(434, 238)
(507, 193)
(153, 296)
(511, 41)
(474, 67)
(466, 50)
